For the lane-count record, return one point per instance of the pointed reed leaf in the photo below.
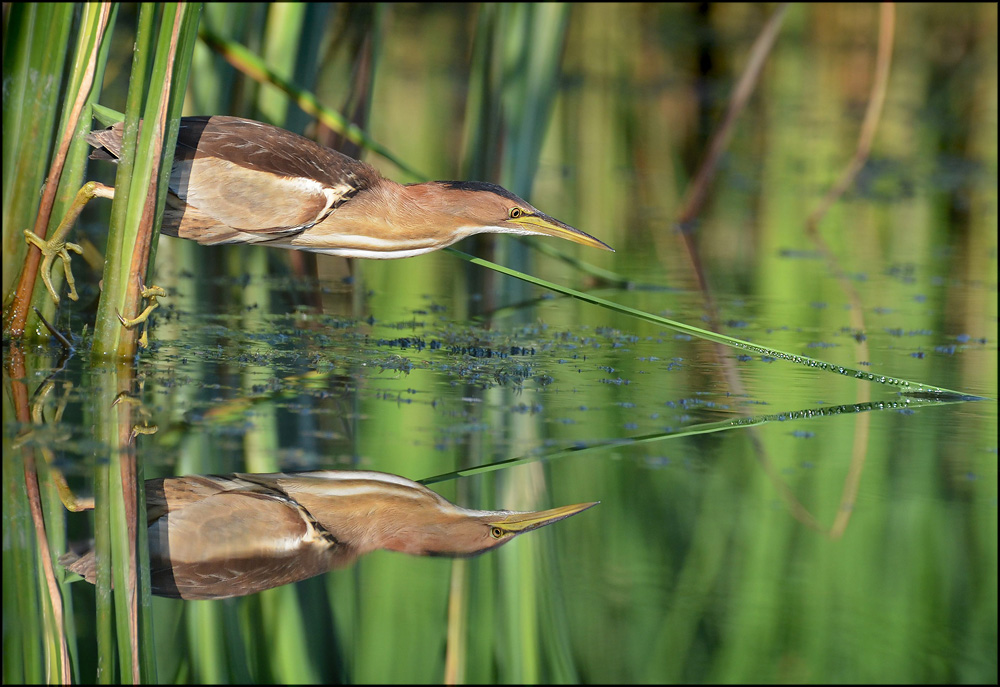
(906, 386)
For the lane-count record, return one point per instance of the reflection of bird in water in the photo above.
(211, 537)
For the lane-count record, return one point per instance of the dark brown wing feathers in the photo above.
(236, 180)
(269, 149)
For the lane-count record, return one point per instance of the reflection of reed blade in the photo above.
(212, 537)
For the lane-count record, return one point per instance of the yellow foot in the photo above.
(58, 246)
(50, 251)
(70, 500)
(151, 293)
(146, 427)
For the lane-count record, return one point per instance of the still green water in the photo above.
(850, 536)
(707, 558)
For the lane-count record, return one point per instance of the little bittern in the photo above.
(238, 181)
(212, 537)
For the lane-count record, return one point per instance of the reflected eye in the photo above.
(496, 532)
(515, 213)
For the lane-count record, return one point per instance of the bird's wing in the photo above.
(236, 524)
(260, 179)
(176, 493)
(237, 542)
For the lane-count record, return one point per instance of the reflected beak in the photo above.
(540, 223)
(525, 522)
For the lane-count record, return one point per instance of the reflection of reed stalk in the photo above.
(51, 606)
(697, 191)
(692, 206)
(887, 21)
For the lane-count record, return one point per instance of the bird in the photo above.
(219, 536)
(236, 180)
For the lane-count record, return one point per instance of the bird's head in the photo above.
(463, 532)
(478, 207)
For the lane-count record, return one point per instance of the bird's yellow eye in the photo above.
(515, 213)
(496, 532)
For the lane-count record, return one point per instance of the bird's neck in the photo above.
(421, 205)
(389, 220)
(369, 511)
(416, 530)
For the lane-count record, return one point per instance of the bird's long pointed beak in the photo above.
(540, 223)
(524, 522)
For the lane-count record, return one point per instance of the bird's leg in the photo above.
(57, 246)
(69, 499)
(146, 427)
(151, 293)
